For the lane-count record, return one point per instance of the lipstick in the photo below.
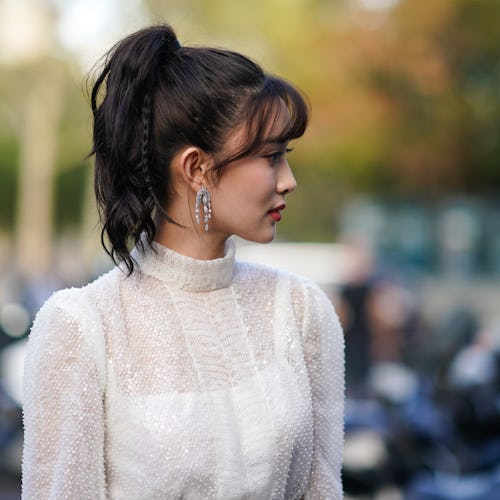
(275, 215)
(275, 212)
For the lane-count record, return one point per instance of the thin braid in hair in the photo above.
(145, 142)
(146, 116)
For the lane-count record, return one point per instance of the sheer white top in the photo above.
(189, 379)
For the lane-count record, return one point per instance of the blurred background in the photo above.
(397, 214)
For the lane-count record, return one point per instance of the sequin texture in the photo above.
(189, 379)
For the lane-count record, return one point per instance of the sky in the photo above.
(378, 4)
(84, 28)
(89, 27)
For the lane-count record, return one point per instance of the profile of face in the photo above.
(248, 198)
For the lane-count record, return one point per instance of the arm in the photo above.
(63, 454)
(324, 354)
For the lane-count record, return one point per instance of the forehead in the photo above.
(268, 125)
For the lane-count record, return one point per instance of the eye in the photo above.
(274, 158)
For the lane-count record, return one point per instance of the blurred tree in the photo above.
(419, 111)
(404, 101)
(33, 85)
(41, 111)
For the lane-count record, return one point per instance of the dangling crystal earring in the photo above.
(203, 197)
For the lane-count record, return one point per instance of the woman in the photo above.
(182, 373)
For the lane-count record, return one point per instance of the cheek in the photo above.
(228, 197)
(260, 184)
(251, 185)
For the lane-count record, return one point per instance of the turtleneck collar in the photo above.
(185, 272)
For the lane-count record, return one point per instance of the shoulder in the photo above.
(254, 272)
(68, 326)
(75, 301)
(302, 294)
(287, 282)
(74, 312)
(64, 304)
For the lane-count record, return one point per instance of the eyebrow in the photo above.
(273, 142)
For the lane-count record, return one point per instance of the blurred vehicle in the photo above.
(429, 436)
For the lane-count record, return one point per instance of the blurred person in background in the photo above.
(353, 307)
(182, 373)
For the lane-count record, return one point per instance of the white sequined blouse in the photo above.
(190, 379)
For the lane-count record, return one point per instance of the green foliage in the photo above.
(8, 182)
(438, 70)
(70, 186)
(310, 213)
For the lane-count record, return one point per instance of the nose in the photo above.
(286, 182)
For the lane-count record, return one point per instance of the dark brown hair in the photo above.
(153, 97)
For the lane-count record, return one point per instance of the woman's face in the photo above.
(248, 199)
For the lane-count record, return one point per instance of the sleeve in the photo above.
(324, 355)
(63, 455)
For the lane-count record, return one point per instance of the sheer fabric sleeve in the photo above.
(324, 353)
(63, 456)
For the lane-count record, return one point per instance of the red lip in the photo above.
(275, 212)
(279, 207)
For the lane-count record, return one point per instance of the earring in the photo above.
(203, 197)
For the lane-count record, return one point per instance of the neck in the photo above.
(189, 241)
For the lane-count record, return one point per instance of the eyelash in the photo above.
(275, 157)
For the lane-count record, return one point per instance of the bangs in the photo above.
(276, 113)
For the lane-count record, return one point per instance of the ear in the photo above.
(193, 165)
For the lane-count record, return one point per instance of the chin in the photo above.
(260, 238)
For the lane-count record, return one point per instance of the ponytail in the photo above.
(123, 140)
